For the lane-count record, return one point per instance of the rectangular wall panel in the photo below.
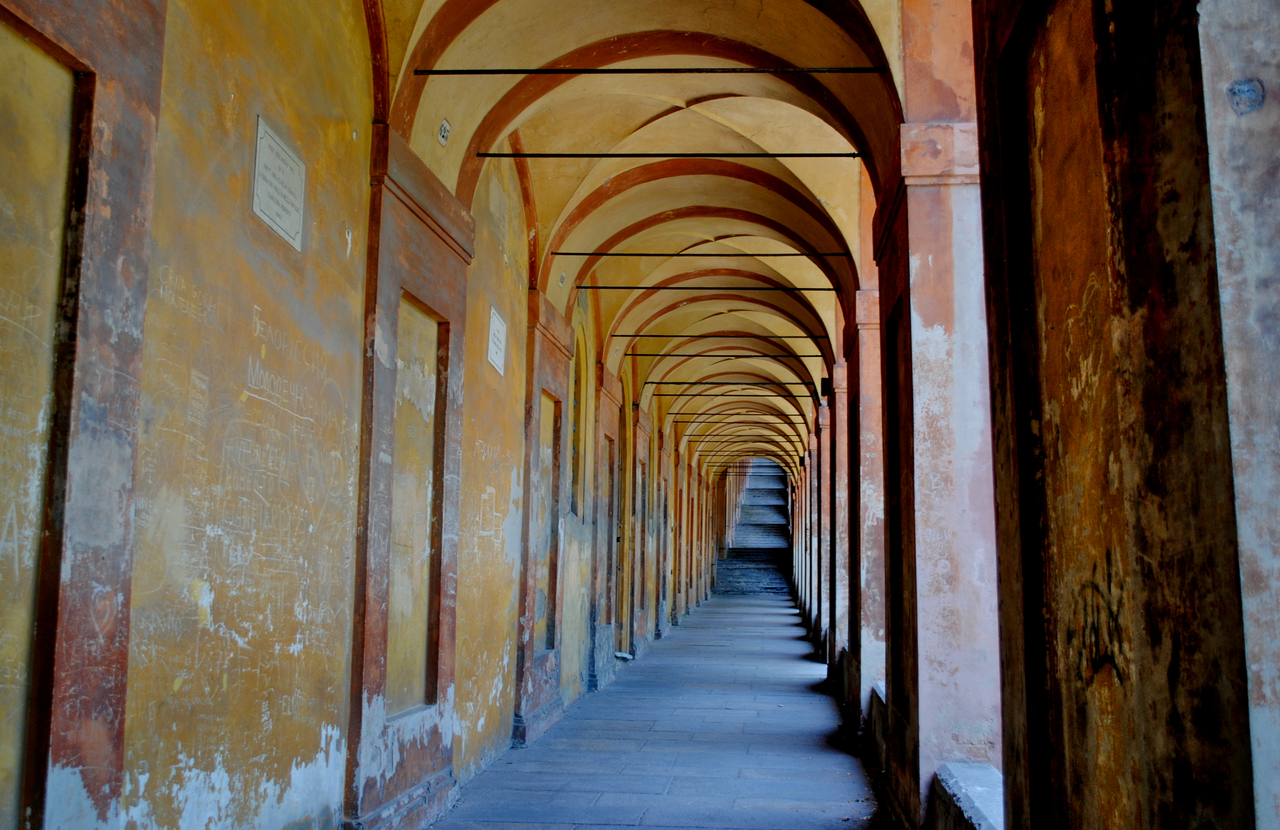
(548, 451)
(35, 153)
(415, 551)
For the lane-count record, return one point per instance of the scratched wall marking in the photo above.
(36, 96)
(414, 557)
(244, 525)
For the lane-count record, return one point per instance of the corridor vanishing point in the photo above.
(567, 413)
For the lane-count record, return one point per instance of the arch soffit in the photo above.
(459, 33)
(460, 25)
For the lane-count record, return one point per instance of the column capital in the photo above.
(840, 377)
(939, 153)
(867, 309)
(547, 321)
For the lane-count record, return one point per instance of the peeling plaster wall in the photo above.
(1079, 385)
(1146, 662)
(250, 412)
(35, 153)
(493, 489)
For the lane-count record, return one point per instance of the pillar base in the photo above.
(528, 728)
(417, 807)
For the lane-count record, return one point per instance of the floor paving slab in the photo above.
(693, 734)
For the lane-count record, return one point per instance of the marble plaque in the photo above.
(279, 186)
(497, 341)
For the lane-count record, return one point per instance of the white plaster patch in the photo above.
(380, 749)
(511, 530)
(213, 798)
(68, 803)
(381, 347)
(96, 486)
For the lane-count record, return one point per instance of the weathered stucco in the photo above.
(35, 153)
(250, 419)
(307, 558)
(1125, 671)
(493, 487)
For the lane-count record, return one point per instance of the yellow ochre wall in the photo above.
(489, 541)
(248, 448)
(248, 465)
(579, 535)
(35, 152)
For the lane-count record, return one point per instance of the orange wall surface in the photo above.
(250, 416)
(493, 490)
(35, 151)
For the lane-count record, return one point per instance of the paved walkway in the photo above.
(717, 726)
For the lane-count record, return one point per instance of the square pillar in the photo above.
(943, 643)
(812, 545)
(538, 703)
(1237, 42)
(870, 545)
(823, 552)
(838, 652)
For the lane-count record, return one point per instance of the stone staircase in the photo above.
(761, 540)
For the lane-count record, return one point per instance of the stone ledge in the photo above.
(967, 796)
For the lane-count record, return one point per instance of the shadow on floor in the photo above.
(718, 726)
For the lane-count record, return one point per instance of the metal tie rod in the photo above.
(732, 420)
(660, 70)
(783, 419)
(727, 383)
(668, 155)
(719, 441)
(694, 288)
(722, 417)
(686, 254)
(731, 336)
(728, 395)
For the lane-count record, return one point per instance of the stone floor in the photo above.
(720, 725)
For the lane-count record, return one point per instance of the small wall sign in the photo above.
(279, 186)
(497, 341)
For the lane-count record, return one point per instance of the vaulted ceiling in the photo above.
(736, 311)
